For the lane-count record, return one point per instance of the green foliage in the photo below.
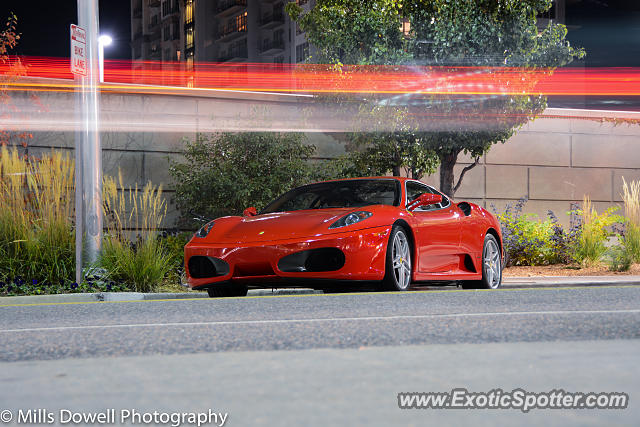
(225, 173)
(37, 238)
(591, 244)
(527, 240)
(173, 245)
(37, 234)
(353, 31)
(631, 242)
(621, 259)
(450, 33)
(393, 143)
(631, 238)
(142, 265)
(488, 32)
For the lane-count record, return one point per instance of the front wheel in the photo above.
(398, 262)
(491, 266)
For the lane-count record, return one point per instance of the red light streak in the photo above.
(165, 77)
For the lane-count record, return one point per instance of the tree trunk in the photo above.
(396, 170)
(447, 162)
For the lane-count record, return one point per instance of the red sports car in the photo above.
(384, 230)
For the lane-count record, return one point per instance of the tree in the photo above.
(488, 34)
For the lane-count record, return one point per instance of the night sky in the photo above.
(608, 29)
(44, 25)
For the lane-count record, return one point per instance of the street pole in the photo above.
(78, 179)
(90, 153)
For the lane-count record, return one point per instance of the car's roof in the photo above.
(397, 178)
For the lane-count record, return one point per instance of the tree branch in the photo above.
(465, 170)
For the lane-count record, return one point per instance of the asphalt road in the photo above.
(327, 359)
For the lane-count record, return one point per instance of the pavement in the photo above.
(316, 359)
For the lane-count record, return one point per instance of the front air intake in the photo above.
(202, 267)
(313, 260)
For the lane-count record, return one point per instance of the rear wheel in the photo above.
(227, 290)
(398, 263)
(491, 266)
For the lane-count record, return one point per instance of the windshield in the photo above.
(338, 194)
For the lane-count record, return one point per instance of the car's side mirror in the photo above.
(250, 211)
(424, 199)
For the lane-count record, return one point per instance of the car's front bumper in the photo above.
(257, 262)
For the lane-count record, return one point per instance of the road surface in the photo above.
(336, 359)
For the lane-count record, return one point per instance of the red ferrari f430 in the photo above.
(386, 231)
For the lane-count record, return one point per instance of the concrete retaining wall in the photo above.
(554, 160)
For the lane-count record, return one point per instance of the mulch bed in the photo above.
(567, 270)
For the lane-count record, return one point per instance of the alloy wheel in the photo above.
(401, 256)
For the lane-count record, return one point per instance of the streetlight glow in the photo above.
(103, 40)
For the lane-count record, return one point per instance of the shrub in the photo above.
(225, 173)
(563, 242)
(173, 244)
(591, 244)
(37, 234)
(143, 263)
(631, 234)
(621, 259)
(36, 230)
(527, 241)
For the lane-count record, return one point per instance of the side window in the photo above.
(445, 200)
(414, 189)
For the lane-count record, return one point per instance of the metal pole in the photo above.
(91, 163)
(79, 180)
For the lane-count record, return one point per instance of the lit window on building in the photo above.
(188, 12)
(189, 38)
(241, 22)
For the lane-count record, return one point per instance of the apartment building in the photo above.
(216, 31)
(156, 30)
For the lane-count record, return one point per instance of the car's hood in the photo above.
(275, 226)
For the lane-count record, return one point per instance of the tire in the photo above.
(491, 266)
(223, 291)
(398, 264)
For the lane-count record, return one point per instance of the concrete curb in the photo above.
(133, 296)
(508, 282)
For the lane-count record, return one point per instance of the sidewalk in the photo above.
(508, 282)
(566, 281)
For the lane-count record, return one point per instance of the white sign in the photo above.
(78, 50)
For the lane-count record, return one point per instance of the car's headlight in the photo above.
(204, 230)
(352, 218)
